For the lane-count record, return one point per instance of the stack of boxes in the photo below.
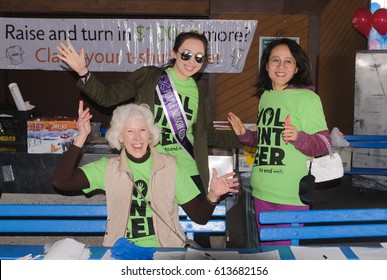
(50, 135)
(13, 128)
(26, 131)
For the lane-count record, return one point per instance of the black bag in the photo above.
(306, 187)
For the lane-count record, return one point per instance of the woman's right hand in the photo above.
(83, 124)
(72, 58)
(222, 185)
(236, 124)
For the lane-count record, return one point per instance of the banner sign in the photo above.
(120, 45)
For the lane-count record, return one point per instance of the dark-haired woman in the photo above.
(283, 148)
(180, 107)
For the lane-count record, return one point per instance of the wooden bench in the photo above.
(324, 224)
(82, 219)
(367, 142)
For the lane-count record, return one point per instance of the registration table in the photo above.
(287, 254)
(13, 252)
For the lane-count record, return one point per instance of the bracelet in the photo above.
(86, 75)
(212, 203)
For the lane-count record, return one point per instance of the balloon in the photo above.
(377, 41)
(375, 35)
(384, 45)
(362, 21)
(379, 21)
(374, 7)
(373, 45)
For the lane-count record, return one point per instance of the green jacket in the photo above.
(140, 85)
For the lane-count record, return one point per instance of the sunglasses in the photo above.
(186, 55)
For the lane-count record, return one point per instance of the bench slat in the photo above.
(362, 137)
(367, 171)
(339, 223)
(220, 210)
(211, 226)
(323, 232)
(53, 210)
(370, 145)
(66, 219)
(317, 216)
(53, 226)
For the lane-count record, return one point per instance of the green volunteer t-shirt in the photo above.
(278, 167)
(140, 225)
(189, 97)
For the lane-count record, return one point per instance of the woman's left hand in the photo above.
(290, 133)
(222, 185)
(83, 124)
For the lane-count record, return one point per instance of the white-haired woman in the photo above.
(143, 187)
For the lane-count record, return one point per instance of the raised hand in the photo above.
(83, 124)
(222, 185)
(236, 124)
(72, 58)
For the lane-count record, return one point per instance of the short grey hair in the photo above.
(131, 112)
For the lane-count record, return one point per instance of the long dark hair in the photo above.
(301, 79)
(182, 37)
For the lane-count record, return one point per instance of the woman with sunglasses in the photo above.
(290, 115)
(180, 107)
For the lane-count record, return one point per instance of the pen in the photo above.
(208, 256)
(325, 257)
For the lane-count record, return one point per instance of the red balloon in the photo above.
(379, 21)
(362, 21)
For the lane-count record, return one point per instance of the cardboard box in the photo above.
(50, 136)
(246, 159)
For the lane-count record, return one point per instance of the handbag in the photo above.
(326, 168)
(306, 188)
